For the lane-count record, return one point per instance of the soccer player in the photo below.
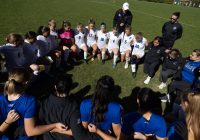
(113, 45)
(102, 38)
(144, 124)
(171, 64)
(153, 58)
(80, 38)
(138, 52)
(16, 101)
(127, 40)
(67, 43)
(13, 51)
(91, 37)
(53, 34)
(101, 110)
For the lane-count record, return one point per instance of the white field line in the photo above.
(137, 11)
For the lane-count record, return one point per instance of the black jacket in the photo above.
(154, 54)
(121, 17)
(173, 64)
(65, 110)
(172, 31)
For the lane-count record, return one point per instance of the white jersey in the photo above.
(126, 42)
(44, 44)
(54, 40)
(139, 48)
(113, 40)
(102, 39)
(91, 37)
(79, 38)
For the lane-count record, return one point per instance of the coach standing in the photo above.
(171, 31)
(122, 18)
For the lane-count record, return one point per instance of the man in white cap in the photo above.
(122, 18)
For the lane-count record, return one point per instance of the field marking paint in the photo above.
(137, 11)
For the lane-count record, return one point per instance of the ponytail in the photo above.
(101, 98)
(11, 86)
(16, 81)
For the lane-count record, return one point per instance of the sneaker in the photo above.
(103, 61)
(147, 80)
(162, 85)
(114, 66)
(92, 59)
(165, 98)
(126, 66)
(133, 75)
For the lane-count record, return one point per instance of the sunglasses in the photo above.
(173, 19)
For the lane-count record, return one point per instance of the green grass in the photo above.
(23, 15)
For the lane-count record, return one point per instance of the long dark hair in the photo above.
(101, 98)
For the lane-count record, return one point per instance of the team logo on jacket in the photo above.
(174, 28)
(119, 15)
(158, 51)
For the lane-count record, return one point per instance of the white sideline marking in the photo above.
(105, 3)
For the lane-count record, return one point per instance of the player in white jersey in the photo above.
(138, 51)
(80, 38)
(91, 37)
(102, 38)
(127, 40)
(43, 40)
(113, 45)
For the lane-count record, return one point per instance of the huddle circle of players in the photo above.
(89, 41)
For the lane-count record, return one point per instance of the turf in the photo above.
(24, 15)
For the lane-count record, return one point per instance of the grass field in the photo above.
(23, 15)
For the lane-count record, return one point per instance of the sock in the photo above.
(127, 59)
(115, 59)
(93, 53)
(149, 78)
(133, 67)
(66, 55)
(85, 55)
(103, 55)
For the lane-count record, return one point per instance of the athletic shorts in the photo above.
(112, 47)
(123, 49)
(91, 43)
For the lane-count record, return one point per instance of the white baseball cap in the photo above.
(125, 6)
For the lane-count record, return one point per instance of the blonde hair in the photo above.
(16, 81)
(193, 115)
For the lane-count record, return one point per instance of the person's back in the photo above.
(53, 109)
(59, 107)
(112, 115)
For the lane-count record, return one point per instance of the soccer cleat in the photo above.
(114, 65)
(133, 75)
(126, 66)
(103, 61)
(147, 80)
(162, 85)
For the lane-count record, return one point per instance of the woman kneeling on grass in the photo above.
(17, 110)
(101, 112)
